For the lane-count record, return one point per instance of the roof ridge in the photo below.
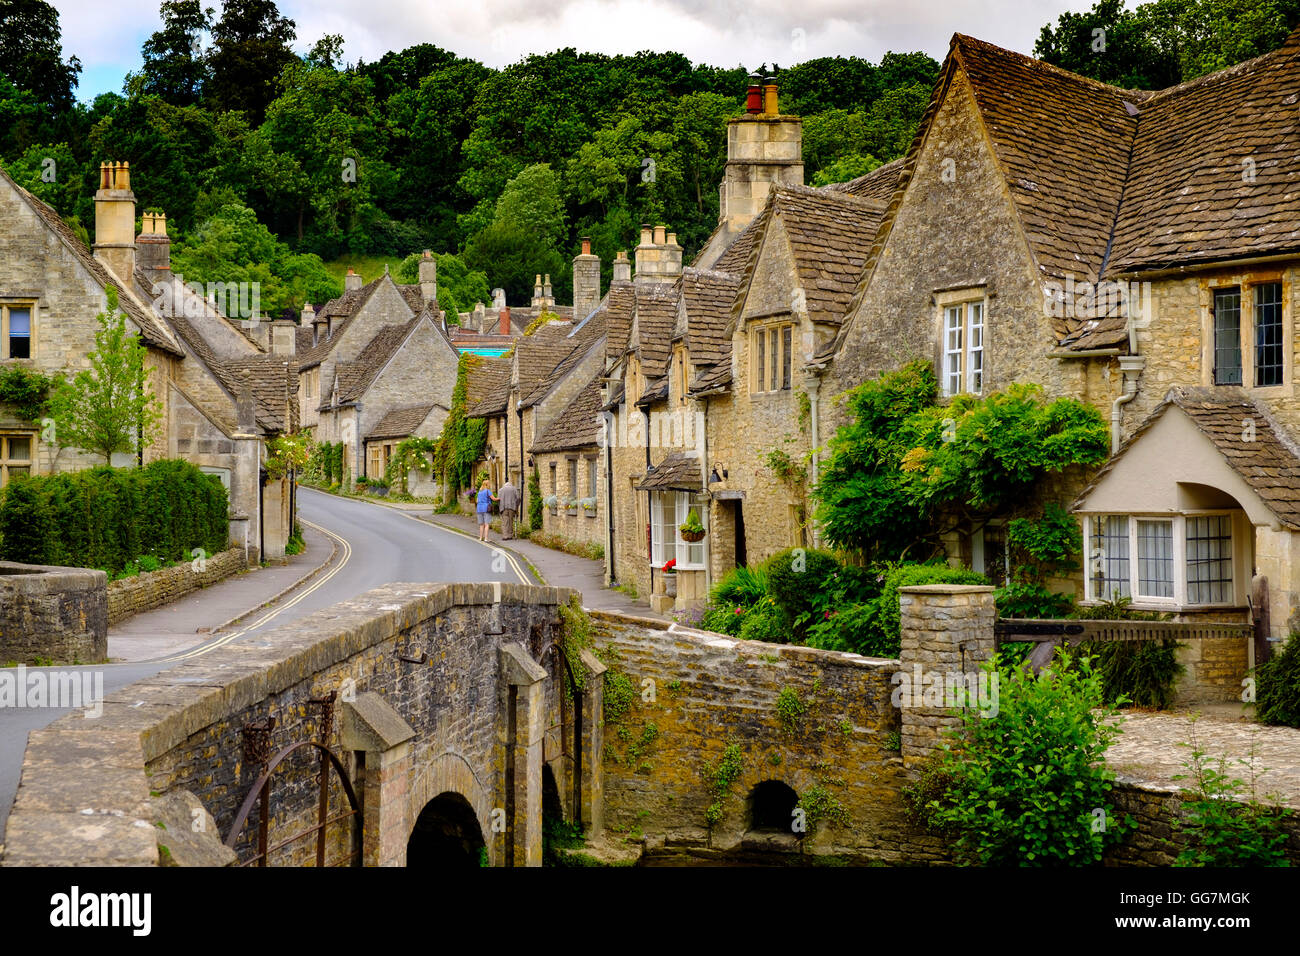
(818, 192)
(1291, 46)
(960, 40)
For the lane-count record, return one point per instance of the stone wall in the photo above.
(818, 721)
(437, 686)
(59, 614)
(152, 589)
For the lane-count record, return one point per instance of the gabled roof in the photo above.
(707, 297)
(679, 470)
(267, 375)
(656, 313)
(580, 341)
(1264, 455)
(401, 422)
(357, 376)
(152, 329)
(341, 311)
(879, 184)
(578, 426)
(620, 301)
(487, 387)
(537, 355)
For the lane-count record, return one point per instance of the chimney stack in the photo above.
(622, 267)
(153, 248)
(351, 281)
(548, 297)
(586, 282)
(659, 257)
(284, 335)
(498, 299)
(503, 327)
(429, 280)
(308, 316)
(763, 149)
(115, 221)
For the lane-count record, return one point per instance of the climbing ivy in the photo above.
(26, 391)
(790, 710)
(411, 454)
(721, 777)
(575, 636)
(535, 501)
(462, 440)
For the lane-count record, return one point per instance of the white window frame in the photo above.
(961, 356)
(681, 549)
(1178, 523)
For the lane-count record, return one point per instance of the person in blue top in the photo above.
(485, 499)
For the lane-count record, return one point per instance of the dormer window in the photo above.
(1248, 335)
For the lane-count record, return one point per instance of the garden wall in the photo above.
(51, 613)
(151, 589)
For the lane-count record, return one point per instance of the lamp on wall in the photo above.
(714, 479)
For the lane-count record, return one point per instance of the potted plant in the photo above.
(588, 506)
(692, 530)
(551, 502)
(670, 578)
(572, 505)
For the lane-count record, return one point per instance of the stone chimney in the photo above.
(548, 297)
(504, 327)
(284, 335)
(586, 282)
(498, 299)
(763, 149)
(153, 248)
(622, 267)
(658, 257)
(351, 281)
(537, 291)
(477, 317)
(115, 220)
(308, 316)
(429, 280)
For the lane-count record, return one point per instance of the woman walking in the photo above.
(485, 499)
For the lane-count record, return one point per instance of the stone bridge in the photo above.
(456, 714)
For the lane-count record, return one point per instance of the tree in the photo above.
(522, 240)
(109, 407)
(174, 65)
(31, 54)
(251, 48)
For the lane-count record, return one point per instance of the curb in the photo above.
(334, 551)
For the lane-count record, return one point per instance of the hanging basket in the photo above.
(692, 536)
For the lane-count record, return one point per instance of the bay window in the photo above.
(1178, 560)
(668, 511)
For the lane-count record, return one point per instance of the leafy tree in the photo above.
(175, 67)
(109, 407)
(521, 241)
(31, 54)
(250, 49)
(26, 525)
(326, 53)
(459, 288)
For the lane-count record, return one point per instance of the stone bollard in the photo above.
(947, 634)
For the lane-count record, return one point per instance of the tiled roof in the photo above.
(537, 355)
(656, 313)
(656, 390)
(719, 376)
(487, 387)
(879, 184)
(619, 303)
(340, 311)
(355, 377)
(679, 471)
(578, 426)
(274, 381)
(152, 329)
(736, 255)
(1215, 172)
(708, 296)
(401, 422)
(580, 340)
(1266, 458)
(616, 393)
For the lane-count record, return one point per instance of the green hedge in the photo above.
(1277, 699)
(108, 517)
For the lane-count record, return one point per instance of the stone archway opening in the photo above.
(771, 808)
(447, 834)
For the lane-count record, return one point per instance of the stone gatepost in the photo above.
(524, 742)
(370, 725)
(592, 790)
(947, 634)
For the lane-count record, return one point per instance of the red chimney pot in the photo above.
(504, 328)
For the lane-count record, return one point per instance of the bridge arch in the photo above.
(770, 807)
(446, 835)
(451, 773)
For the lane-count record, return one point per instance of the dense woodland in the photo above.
(267, 162)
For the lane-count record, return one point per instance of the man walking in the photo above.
(484, 507)
(509, 497)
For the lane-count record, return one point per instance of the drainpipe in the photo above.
(1130, 366)
(609, 499)
(523, 478)
(704, 482)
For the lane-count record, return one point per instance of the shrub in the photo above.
(744, 585)
(26, 527)
(848, 629)
(765, 622)
(1024, 787)
(723, 619)
(1277, 690)
(1141, 673)
(795, 578)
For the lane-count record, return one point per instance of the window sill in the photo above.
(1171, 608)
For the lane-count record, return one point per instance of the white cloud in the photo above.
(499, 32)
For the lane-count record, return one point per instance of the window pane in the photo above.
(1155, 546)
(1227, 337)
(772, 359)
(19, 447)
(573, 479)
(975, 337)
(787, 336)
(591, 477)
(20, 333)
(1268, 334)
(952, 350)
(1110, 545)
(1209, 559)
(761, 364)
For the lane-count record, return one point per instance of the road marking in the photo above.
(346, 551)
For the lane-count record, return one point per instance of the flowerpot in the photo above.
(692, 536)
(670, 585)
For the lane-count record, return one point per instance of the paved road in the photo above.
(377, 546)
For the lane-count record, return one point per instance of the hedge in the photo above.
(107, 517)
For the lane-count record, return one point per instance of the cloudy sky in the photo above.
(107, 36)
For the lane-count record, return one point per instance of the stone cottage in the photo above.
(222, 393)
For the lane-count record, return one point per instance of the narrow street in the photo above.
(376, 546)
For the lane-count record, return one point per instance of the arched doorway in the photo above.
(771, 807)
(446, 834)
